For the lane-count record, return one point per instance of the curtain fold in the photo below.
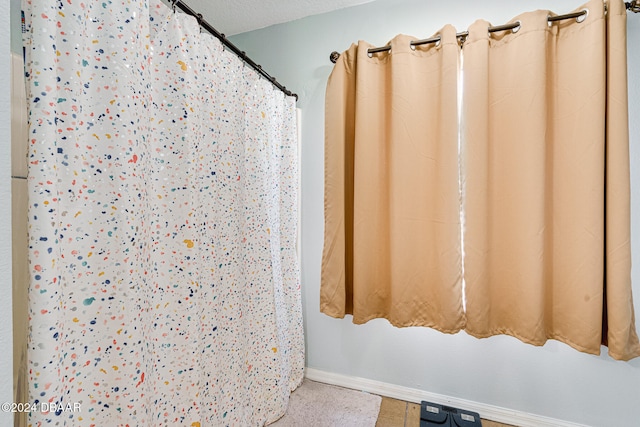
(546, 182)
(392, 199)
(619, 332)
(165, 285)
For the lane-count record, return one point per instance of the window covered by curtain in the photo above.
(392, 212)
(163, 217)
(544, 169)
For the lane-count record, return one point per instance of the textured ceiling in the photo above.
(238, 16)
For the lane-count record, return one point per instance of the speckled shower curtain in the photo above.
(163, 223)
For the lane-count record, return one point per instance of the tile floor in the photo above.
(398, 413)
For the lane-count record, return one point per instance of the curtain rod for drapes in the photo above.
(633, 6)
(242, 54)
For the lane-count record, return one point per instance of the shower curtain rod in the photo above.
(633, 6)
(242, 54)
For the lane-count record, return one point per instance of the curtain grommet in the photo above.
(580, 19)
(513, 27)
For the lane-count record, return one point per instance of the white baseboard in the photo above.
(489, 412)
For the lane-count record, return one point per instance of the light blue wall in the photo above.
(16, 26)
(554, 380)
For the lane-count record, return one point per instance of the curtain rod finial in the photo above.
(633, 6)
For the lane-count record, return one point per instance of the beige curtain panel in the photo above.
(546, 182)
(544, 173)
(392, 198)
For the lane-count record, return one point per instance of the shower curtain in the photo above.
(165, 284)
